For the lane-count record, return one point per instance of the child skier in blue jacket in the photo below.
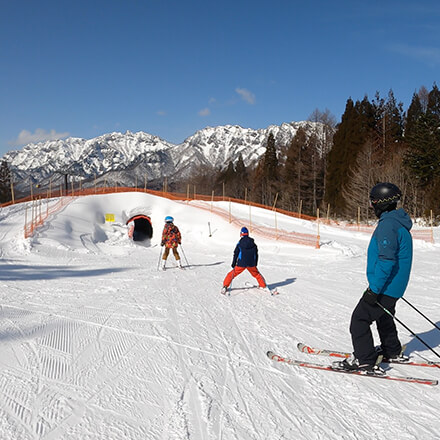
(245, 257)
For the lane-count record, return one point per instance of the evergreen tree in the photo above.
(266, 176)
(423, 156)
(5, 182)
(271, 159)
(433, 107)
(356, 127)
(242, 178)
(413, 114)
(293, 171)
(389, 125)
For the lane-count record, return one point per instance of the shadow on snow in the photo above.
(21, 272)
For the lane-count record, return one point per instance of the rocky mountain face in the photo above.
(127, 159)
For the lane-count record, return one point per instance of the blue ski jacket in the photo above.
(245, 253)
(390, 254)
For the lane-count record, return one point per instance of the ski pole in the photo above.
(183, 252)
(417, 310)
(402, 324)
(160, 256)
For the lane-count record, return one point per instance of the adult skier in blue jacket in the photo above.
(388, 269)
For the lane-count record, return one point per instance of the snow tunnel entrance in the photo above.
(140, 228)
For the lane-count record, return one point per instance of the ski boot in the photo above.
(352, 364)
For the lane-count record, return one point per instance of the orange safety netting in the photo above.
(264, 231)
(294, 237)
(39, 213)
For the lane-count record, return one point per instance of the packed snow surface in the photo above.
(96, 343)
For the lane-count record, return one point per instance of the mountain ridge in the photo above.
(126, 158)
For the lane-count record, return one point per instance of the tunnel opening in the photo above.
(140, 228)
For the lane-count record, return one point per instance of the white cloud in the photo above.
(205, 112)
(246, 95)
(161, 112)
(40, 135)
(429, 55)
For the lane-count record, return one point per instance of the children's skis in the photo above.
(273, 292)
(227, 290)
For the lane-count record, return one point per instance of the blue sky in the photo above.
(172, 67)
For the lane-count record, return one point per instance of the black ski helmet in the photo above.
(385, 193)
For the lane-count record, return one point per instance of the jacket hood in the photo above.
(399, 215)
(247, 242)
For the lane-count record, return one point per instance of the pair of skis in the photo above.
(227, 291)
(339, 354)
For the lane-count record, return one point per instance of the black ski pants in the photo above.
(363, 316)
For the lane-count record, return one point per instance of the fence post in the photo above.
(25, 221)
(318, 236)
(275, 202)
(12, 190)
(250, 218)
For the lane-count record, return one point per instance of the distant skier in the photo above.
(388, 269)
(171, 238)
(245, 257)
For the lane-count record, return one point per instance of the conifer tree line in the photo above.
(375, 141)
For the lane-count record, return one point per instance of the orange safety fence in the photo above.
(419, 234)
(264, 231)
(39, 214)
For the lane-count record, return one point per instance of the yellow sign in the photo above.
(109, 217)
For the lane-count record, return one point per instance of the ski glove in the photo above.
(163, 243)
(369, 297)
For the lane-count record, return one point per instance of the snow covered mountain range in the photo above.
(126, 158)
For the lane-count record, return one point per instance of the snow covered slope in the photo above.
(95, 343)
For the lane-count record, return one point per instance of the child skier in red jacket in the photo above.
(171, 238)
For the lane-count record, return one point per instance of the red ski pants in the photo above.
(237, 270)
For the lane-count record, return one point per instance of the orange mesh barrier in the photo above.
(264, 231)
(418, 234)
(40, 214)
(295, 237)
